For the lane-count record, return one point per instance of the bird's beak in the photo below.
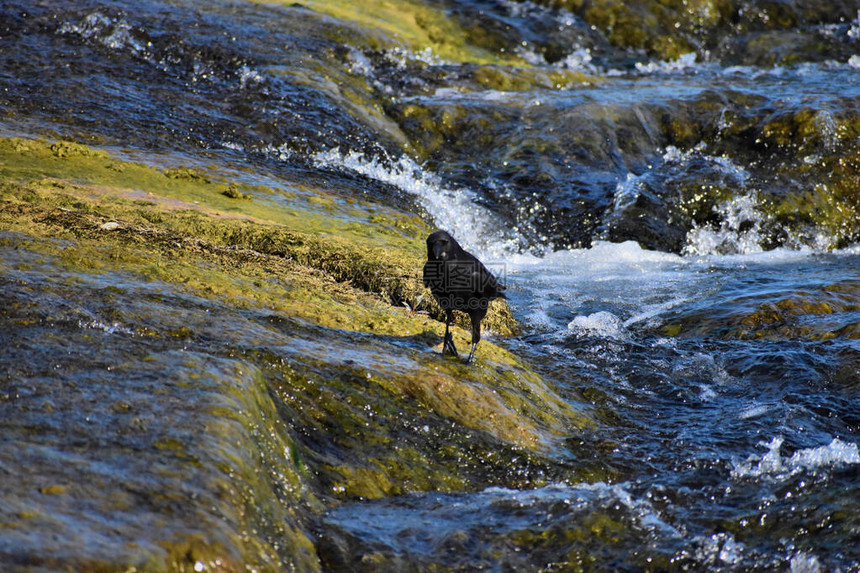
(438, 250)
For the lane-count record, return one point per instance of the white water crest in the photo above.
(610, 287)
(612, 290)
(114, 34)
(456, 210)
(774, 465)
(739, 230)
(683, 63)
(601, 323)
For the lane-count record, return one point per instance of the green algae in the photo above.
(833, 207)
(510, 79)
(649, 26)
(328, 281)
(184, 474)
(94, 175)
(761, 33)
(789, 317)
(357, 407)
(818, 155)
(415, 25)
(339, 393)
(385, 263)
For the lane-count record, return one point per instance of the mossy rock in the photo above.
(353, 399)
(416, 26)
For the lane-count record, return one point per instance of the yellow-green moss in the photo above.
(93, 174)
(510, 78)
(179, 218)
(410, 23)
(363, 279)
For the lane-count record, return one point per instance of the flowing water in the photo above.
(733, 438)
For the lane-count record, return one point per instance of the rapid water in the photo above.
(730, 454)
(733, 439)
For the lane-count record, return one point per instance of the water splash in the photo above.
(773, 464)
(184, 60)
(580, 60)
(804, 563)
(115, 34)
(854, 31)
(602, 323)
(717, 550)
(739, 232)
(684, 63)
(453, 209)
(401, 57)
(109, 328)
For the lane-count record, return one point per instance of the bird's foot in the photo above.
(471, 357)
(448, 346)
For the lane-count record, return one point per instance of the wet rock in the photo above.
(556, 526)
(241, 377)
(736, 32)
(825, 313)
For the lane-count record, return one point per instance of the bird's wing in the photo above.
(487, 283)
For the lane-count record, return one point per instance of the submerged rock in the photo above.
(826, 312)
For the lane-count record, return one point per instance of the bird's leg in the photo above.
(476, 337)
(448, 341)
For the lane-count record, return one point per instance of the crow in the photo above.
(459, 281)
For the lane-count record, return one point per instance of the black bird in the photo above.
(459, 281)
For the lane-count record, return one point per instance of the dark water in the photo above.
(734, 444)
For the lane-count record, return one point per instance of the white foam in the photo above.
(249, 77)
(804, 563)
(854, 31)
(619, 284)
(600, 323)
(719, 548)
(773, 464)
(684, 63)
(359, 63)
(739, 231)
(754, 411)
(525, 9)
(579, 60)
(113, 34)
(454, 209)
(530, 56)
(109, 328)
(601, 256)
(281, 152)
(235, 146)
(401, 57)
